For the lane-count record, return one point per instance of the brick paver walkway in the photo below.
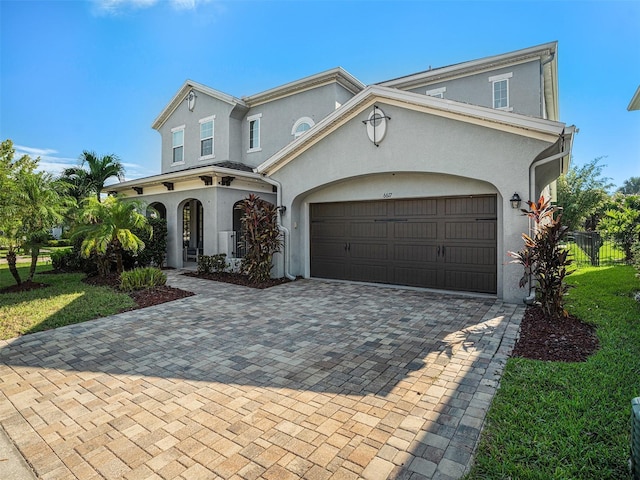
(312, 379)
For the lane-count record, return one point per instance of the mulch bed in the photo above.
(143, 298)
(560, 340)
(238, 279)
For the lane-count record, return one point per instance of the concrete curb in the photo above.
(12, 463)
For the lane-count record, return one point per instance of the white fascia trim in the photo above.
(338, 74)
(513, 122)
(634, 104)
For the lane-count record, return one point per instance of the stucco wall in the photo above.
(525, 96)
(217, 205)
(205, 107)
(459, 158)
(278, 118)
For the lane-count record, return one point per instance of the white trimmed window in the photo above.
(177, 139)
(254, 133)
(302, 125)
(500, 89)
(206, 137)
(437, 92)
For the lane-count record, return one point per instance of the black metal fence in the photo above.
(591, 248)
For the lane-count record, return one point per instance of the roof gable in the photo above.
(335, 75)
(532, 127)
(179, 97)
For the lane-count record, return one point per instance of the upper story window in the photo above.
(177, 135)
(437, 92)
(500, 87)
(302, 125)
(206, 137)
(254, 133)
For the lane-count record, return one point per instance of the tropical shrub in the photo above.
(213, 263)
(544, 257)
(261, 236)
(141, 278)
(108, 230)
(621, 222)
(155, 241)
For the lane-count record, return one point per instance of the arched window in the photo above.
(302, 125)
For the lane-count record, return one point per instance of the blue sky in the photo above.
(93, 75)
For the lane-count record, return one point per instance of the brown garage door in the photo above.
(444, 242)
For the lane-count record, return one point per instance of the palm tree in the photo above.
(92, 174)
(108, 228)
(41, 208)
(631, 186)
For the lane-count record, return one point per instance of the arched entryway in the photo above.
(157, 210)
(192, 229)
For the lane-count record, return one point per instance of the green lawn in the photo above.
(67, 300)
(554, 420)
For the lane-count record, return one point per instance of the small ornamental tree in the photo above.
(621, 222)
(261, 236)
(544, 258)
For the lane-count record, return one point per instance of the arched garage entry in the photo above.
(426, 238)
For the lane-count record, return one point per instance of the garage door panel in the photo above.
(470, 256)
(376, 252)
(328, 250)
(329, 229)
(415, 276)
(321, 210)
(368, 229)
(423, 230)
(416, 207)
(470, 231)
(415, 253)
(329, 268)
(470, 281)
(470, 206)
(369, 209)
(365, 272)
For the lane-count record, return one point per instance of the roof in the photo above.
(214, 169)
(337, 75)
(634, 104)
(546, 52)
(532, 127)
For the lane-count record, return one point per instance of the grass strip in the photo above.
(66, 301)
(552, 420)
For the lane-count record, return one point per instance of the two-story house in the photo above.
(409, 181)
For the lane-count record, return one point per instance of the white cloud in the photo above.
(49, 161)
(114, 7)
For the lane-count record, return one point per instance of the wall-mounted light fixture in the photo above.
(515, 201)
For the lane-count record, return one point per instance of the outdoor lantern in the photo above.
(515, 201)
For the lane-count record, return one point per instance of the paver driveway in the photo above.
(309, 379)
